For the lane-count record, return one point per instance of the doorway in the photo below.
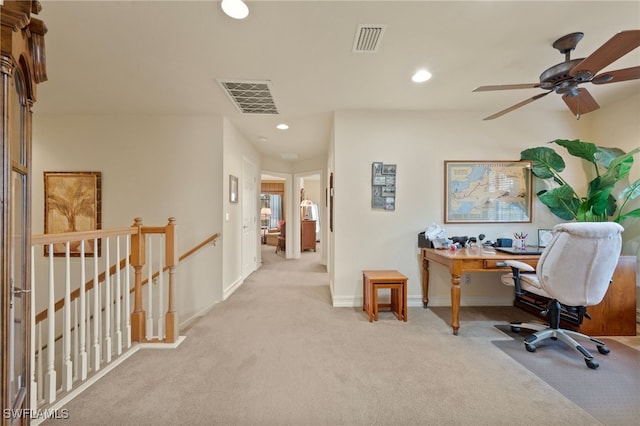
(311, 207)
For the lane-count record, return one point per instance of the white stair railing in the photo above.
(85, 325)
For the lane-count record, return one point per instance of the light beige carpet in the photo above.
(611, 392)
(277, 353)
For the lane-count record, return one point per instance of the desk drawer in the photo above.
(499, 264)
(495, 264)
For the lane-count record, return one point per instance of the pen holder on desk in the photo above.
(523, 243)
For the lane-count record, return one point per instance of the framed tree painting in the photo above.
(72, 204)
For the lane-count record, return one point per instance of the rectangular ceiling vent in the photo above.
(250, 97)
(368, 38)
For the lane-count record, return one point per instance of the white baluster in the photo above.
(39, 374)
(127, 292)
(161, 334)
(107, 304)
(67, 366)
(76, 341)
(82, 358)
(149, 288)
(117, 308)
(32, 373)
(96, 310)
(50, 377)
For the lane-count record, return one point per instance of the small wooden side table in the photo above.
(374, 280)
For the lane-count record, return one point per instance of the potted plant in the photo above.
(610, 166)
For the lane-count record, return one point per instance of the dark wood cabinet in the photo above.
(308, 235)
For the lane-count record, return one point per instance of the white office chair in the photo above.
(573, 272)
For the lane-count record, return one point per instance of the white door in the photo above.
(249, 218)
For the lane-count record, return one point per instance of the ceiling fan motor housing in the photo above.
(557, 77)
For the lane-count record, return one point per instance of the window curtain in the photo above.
(275, 202)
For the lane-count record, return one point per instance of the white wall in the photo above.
(419, 143)
(236, 147)
(153, 167)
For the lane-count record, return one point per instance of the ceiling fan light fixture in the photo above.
(421, 76)
(236, 9)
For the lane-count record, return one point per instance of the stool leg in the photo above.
(367, 288)
(404, 301)
(397, 305)
(374, 290)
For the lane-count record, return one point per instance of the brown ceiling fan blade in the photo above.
(625, 74)
(516, 106)
(581, 103)
(506, 87)
(617, 46)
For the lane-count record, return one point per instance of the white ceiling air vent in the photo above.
(251, 97)
(368, 38)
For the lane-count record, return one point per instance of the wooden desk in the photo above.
(462, 261)
(614, 316)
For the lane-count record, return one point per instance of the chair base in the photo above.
(543, 331)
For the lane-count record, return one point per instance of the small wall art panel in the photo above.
(383, 186)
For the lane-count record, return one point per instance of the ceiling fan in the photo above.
(566, 77)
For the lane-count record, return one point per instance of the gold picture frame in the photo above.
(72, 203)
(487, 191)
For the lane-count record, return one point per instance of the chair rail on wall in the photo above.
(100, 314)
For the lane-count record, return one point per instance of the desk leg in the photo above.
(455, 303)
(425, 283)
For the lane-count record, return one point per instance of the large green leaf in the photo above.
(620, 166)
(562, 202)
(605, 155)
(601, 202)
(580, 149)
(631, 192)
(545, 161)
(632, 213)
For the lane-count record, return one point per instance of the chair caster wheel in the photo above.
(592, 363)
(515, 329)
(530, 347)
(603, 349)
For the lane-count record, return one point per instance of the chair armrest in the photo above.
(520, 265)
(516, 268)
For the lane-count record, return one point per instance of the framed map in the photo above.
(485, 192)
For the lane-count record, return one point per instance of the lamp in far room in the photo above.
(265, 214)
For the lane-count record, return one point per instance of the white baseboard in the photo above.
(233, 287)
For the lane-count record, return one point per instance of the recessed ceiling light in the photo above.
(282, 126)
(421, 76)
(235, 9)
(262, 139)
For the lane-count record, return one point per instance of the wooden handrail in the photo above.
(43, 238)
(82, 235)
(211, 239)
